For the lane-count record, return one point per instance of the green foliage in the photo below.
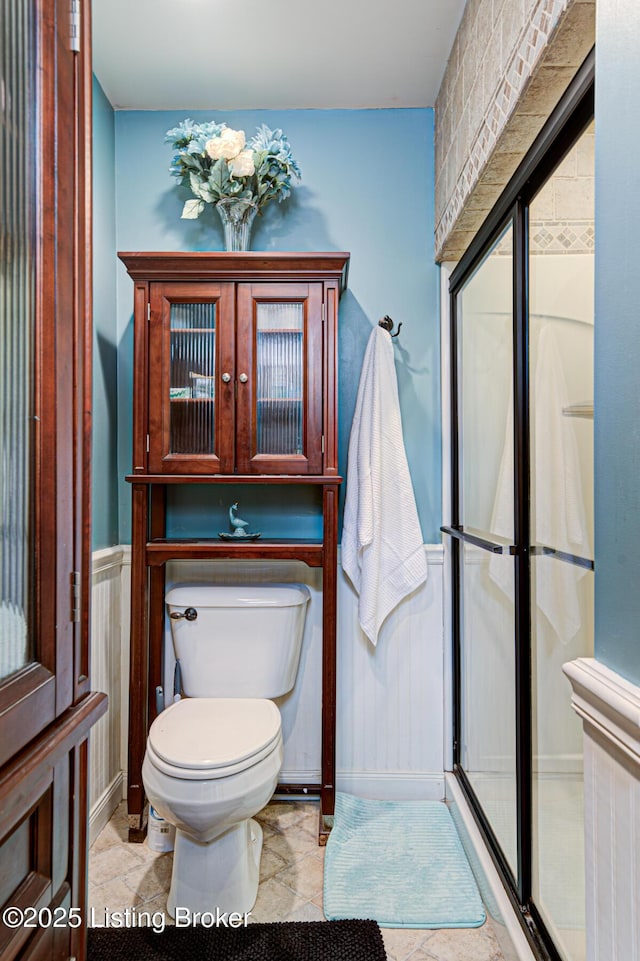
(207, 153)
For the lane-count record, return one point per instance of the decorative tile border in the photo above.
(570, 237)
(553, 237)
(531, 81)
(517, 73)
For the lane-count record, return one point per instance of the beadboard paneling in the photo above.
(390, 732)
(390, 698)
(300, 709)
(105, 770)
(609, 707)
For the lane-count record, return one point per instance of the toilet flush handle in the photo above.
(190, 614)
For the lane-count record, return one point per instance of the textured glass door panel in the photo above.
(192, 379)
(280, 378)
(17, 310)
(279, 372)
(485, 350)
(488, 712)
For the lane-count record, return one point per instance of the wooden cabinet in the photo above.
(235, 360)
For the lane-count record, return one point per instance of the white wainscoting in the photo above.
(105, 765)
(390, 705)
(609, 707)
(390, 727)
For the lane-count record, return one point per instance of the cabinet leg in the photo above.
(138, 670)
(329, 620)
(157, 528)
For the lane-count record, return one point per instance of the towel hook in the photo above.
(387, 323)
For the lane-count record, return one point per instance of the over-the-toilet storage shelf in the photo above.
(235, 382)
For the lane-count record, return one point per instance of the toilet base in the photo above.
(221, 875)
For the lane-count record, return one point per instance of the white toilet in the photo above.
(213, 758)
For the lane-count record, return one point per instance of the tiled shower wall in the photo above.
(562, 220)
(509, 64)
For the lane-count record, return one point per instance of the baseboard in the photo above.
(105, 806)
(392, 786)
(559, 765)
(382, 786)
(511, 937)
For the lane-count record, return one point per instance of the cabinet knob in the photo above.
(226, 377)
(243, 378)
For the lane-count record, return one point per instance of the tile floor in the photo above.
(123, 875)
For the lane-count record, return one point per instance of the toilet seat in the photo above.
(207, 738)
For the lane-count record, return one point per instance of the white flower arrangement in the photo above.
(217, 163)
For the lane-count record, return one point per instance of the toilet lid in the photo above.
(210, 733)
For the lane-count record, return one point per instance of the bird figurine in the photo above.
(238, 527)
(236, 522)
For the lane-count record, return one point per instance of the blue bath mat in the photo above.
(400, 863)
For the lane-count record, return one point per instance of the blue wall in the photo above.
(105, 339)
(367, 187)
(617, 350)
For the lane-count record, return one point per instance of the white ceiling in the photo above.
(241, 54)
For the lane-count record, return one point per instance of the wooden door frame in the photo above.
(46, 709)
(34, 696)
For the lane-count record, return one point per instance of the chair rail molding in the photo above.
(609, 706)
(608, 703)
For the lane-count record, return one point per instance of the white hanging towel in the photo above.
(382, 549)
(559, 516)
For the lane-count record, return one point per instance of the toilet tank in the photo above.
(238, 640)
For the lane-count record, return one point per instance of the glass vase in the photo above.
(237, 218)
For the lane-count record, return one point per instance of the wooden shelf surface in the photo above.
(234, 479)
(160, 550)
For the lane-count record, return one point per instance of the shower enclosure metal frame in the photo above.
(569, 119)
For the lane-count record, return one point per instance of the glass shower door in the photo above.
(522, 535)
(487, 747)
(561, 335)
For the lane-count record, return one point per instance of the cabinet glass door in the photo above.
(191, 422)
(279, 378)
